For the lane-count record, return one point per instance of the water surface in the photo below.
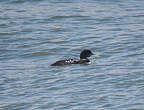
(36, 33)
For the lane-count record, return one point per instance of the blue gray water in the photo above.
(36, 33)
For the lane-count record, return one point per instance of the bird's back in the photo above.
(70, 61)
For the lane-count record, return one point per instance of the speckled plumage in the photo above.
(83, 59)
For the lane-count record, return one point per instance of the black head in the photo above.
(85, 53)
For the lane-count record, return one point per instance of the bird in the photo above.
(83, 59)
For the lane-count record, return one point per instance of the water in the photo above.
(36, 33)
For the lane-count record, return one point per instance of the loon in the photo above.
(83, 59)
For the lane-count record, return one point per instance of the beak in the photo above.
(96, 55)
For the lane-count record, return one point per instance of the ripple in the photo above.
(35, 54)
(9, 33)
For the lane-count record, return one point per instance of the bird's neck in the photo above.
(84, 59)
